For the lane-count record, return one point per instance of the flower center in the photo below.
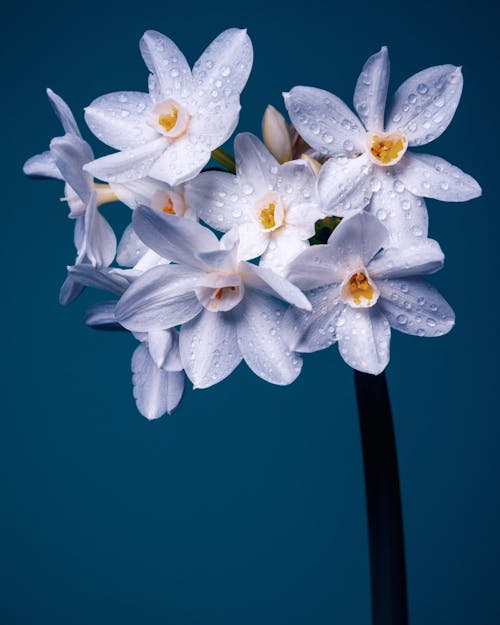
(359, 291)
(170, 118)
(267, 216)
(270, 212)
(220, 292)
(169, 207)
(169, 202)
(387, 149)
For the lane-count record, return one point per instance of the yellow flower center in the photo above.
(168, 120)
(359, 287)
(388, 148)
(267, 216)
(169, 207)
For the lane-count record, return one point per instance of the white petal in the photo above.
(119, 119)
(99, 244)
(430, 176)
(100, 278)
(424, 105)
(317, 266)
(256, 167)
(209, 348)
(276, 135)
(216, 198)
(345, 185)
(411, 260)
(171, 75)
(324, 121)
(156, 391)
(130, 164)
(260, 340)
(270, 283)
(174, 238)
(371, 91)
(182, 160)
(160, 342)
(413, 306)
(282, 249)
(314, 330)
(296, 185)
(130, 249)
(63, 112)
(402, 213)
(252, 240)
(139, 192)
(70, 154)
(102, 316)
(70, 290)
(364, 337)
(42, 166)
(161, 298)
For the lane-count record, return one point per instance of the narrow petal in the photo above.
(252, 240)
(270, 283)
(296, 184)
(151, 385)
(371, 91)
(99, 244)
(139, 192)
(364, 337)
(402, 213)
(411, 260)
(70, 290)
(174, 238)
(261, 344)
(424, 105)
(324, 121)
(430, 176)
(130, 164)
(345, 186)
(160, 342)
(63, 112)
(161, 298)
(105, 279)
(130, 249)
(119, 119)
(182, 160)
(314, 330)
(170, 72)
(282, 250)
(101, 316)
(217, 199)
(42, 166)
(256, 167)
(413, 306)
(209, 348)
(70, 154)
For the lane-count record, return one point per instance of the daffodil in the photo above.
(272, 206)
(170, 132)
(358, 293)
(371, 155)
(229, 309)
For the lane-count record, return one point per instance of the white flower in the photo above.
(158, 377)
(358, 294)
(373, 155)
(273, 207)
(228, 309)
(169, 133)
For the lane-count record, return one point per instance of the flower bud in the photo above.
(276, 135)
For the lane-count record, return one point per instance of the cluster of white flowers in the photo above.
(331, 206)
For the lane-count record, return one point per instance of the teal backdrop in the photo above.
(247, 505)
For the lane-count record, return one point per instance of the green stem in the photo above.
(226, 160)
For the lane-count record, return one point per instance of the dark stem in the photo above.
(385, 524)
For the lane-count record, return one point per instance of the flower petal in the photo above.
(430, 176)
(70, 154)
(170, 72)
(174, 238)
(99, 244)
(345, 185)
(424, 105)
(413, 306)
(105, 279)
(161, 298)
(256, 167)
(253, 241)
(42, 166)
(119, 119)
(70, 290)
(182, 160)
(101, 316)
(371, 91)
(324, 121)
(314, 330)
(130, 249)
(130, 164)
(364, 337)
(63, 112)
(296, 184)
(270, 283)
(282, 249)
(411, 260)
(156, 391)
(259, 337)
(160, 342)
(276, 135)
(140, 192)
(216, 198)
(209, 348)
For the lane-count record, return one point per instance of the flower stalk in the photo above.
(225, 159)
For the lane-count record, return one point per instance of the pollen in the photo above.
(359, 287)
(169, 120)
(169, 207)
(267, 216)
(388, 148)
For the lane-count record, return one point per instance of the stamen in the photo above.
(169, 207)
(267, 216)
(389, 148)
(359, 287)
(169, 120)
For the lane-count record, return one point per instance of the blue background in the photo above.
(247, 505)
